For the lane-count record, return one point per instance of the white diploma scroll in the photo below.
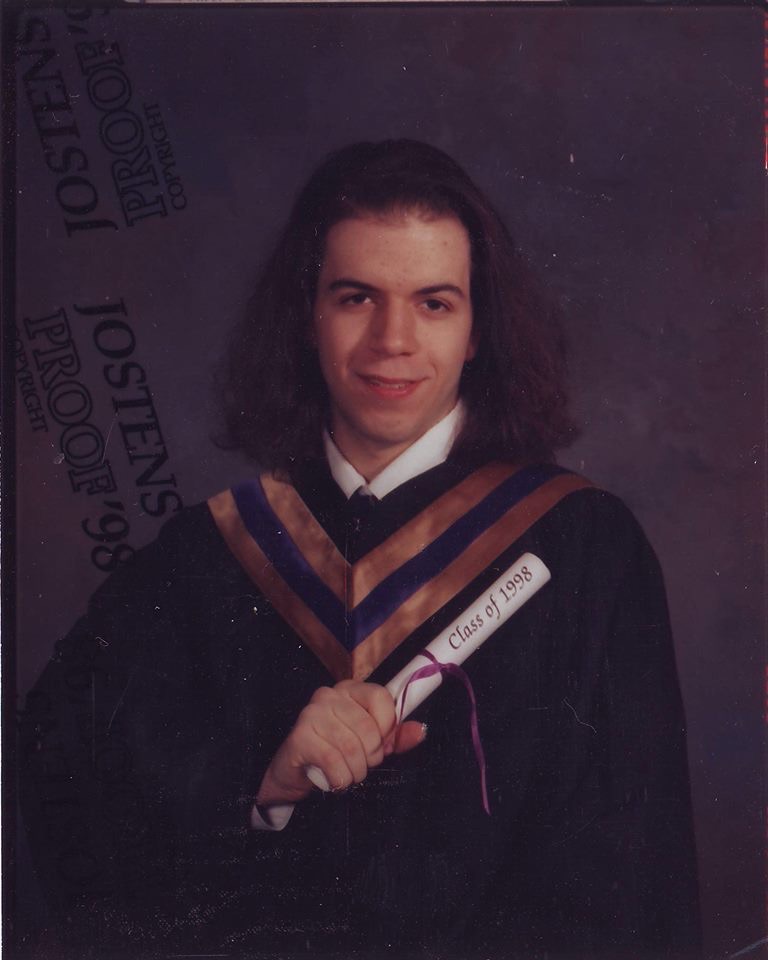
(462, 637)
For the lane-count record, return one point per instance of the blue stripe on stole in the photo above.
(264, 526)
(392, 592)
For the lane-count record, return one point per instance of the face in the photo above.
(393, 329)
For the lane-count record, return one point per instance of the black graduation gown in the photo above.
(145, 740)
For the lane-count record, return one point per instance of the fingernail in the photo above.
(424, 731)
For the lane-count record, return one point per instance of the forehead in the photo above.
(403, 247)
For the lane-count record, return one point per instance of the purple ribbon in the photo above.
(455, 671)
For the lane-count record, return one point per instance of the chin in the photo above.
(392, 434)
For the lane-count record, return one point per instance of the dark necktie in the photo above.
(359, 509)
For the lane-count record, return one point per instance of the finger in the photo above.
(337, 702)
(321, 739)
(376, 700)
(339, 733)
(365, 727)
(335, 766)
(405, 737)
(360, 707)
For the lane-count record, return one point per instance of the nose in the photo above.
(393, 329)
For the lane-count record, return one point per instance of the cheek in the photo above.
(333, 343)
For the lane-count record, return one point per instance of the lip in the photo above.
(390, 388)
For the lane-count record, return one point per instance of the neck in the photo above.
(368, 460)
(382, 466)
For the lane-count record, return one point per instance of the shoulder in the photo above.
(187, 547)
(597, 545)
(190, 531)
(552, 486)
(570, 516)
(545, 490)
(161, 598)
(601, 514)
(612, 526)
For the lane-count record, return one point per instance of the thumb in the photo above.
(405, 736)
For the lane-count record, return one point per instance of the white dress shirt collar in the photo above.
(431, 449)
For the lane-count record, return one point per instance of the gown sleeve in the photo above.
(602, 853)
(129, 767)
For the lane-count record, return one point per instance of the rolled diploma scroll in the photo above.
(464, 635)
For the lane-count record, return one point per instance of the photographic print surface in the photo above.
(158, 152)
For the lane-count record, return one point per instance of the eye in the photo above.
(436, 306)
(355, 299)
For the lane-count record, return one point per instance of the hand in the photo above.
(345, 731)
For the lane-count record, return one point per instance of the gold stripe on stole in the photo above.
(406, 543)
(434, 594)
(422, 530)
(333, 569)
(316, 546)
(287, 603)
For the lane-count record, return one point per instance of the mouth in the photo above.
(389, 386)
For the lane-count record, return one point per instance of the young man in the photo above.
(400, 385)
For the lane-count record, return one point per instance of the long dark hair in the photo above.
(274, 398)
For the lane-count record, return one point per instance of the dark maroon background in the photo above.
(624, 147)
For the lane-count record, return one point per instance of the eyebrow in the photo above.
(346, 282)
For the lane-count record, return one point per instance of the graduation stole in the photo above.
(352, 616)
